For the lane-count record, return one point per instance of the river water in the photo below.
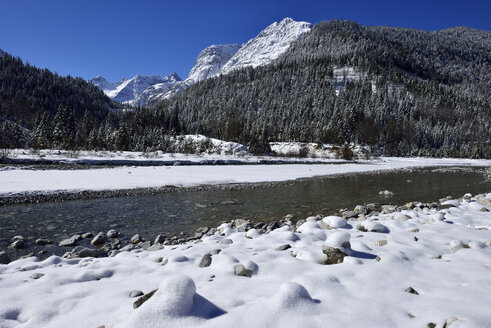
(169, 213)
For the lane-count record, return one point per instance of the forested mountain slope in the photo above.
(26, 92)
(414, 92)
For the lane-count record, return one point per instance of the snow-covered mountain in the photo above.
(129, 90)
(211, 60)
(266, 47)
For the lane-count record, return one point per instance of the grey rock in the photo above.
(361, 209)
(205, 261)
(242, 271)
(37, 275)
(289, 216)
(90, 252)
(283, 247)
(112, 233)
(18, 237)
(382, 242)
(143, 299)
(18, 244)
(42, 241)
(202, 230)
(127, 248)
(225, 241)
(361, 228)
(273, 225)
(431, 325)
(215, 251)
(211, 232)
(145, 244)
(155, 247)
(300, 222)
(159, 239)
(411, 290)
(113, 253)
(99, 239)
(484, 209)
(240, 222)
(387, 209)
(136, 239)
(449, 321)
(4, 258)
(76, 237)
(259, 225)
(135, 293)
(350, 215)
(334, 255)
(88, 235)
(67, 242)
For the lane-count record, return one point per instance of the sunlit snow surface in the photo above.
(284, 291)
(14, 180)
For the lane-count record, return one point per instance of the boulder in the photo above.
(99, 239)
(205, 261)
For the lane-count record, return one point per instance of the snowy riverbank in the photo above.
(401, 267)
(14, 181)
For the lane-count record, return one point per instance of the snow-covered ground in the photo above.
(48, 181)
(411, 268)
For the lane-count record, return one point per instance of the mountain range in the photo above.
(262, 50)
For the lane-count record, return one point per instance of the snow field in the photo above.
(285, 289)
(14, 181)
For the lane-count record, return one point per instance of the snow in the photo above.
(366, 290)
(13, 180)
(268, 45)
(262, 50)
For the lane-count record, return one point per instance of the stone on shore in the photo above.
(205, 261)
(99, 239)
(18, 244)
(4, 258)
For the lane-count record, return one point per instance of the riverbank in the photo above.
(410, 259)
(20, 185)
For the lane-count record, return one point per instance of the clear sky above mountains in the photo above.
(119, 39)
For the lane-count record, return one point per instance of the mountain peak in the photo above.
(268, 45)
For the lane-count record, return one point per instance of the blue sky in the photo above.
(119, 39)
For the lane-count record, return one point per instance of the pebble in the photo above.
(283, 247)
(136, 239)
(215, 251)
(145, 244)
(361, 209)
(143, 299)
(18, 237)
(67, 242)
(159, 239)
(99, 239)
(334, 255)
(242, 271)
(88, 235)
(18, 244)
(155, 247)
(42, 241)
(37, 275)
(225, 241)
(411, 290)
(4, 258)
(350, 215)
(381, 242)
(112, 233)
(205, 261)
(135, 293)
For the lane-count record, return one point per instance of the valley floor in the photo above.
(21, 180)
(405, 267)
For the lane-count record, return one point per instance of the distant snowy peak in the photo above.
(102, 83)
(127, 90)
(262, 50)
(211, 60)
(268, 45)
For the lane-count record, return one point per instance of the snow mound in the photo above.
(335, 221)
(291, 294)
(374, 227)
(339, 239)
